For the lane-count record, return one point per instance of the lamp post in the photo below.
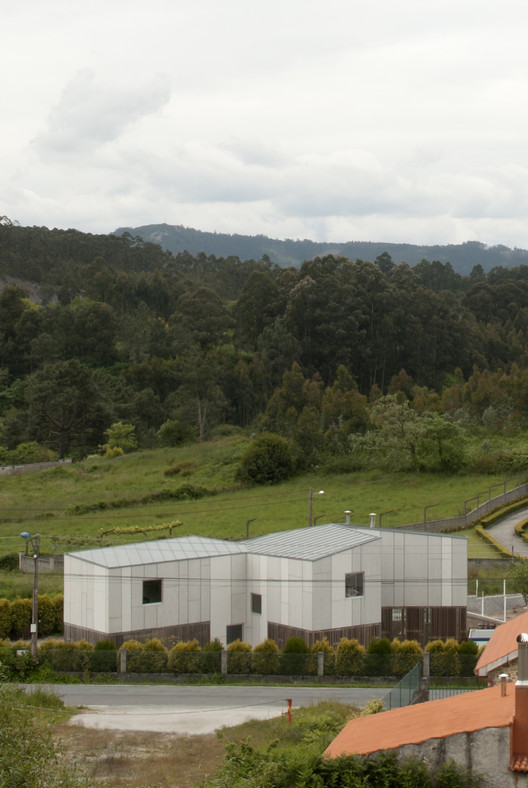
(310, 501)
(34, 610)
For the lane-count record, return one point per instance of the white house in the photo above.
(332, 581)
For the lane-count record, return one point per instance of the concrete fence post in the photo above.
(223, 663)
(320, 664)
(123, 661)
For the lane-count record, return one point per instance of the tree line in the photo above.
(326, 355)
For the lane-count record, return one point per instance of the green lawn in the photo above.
(38, 502)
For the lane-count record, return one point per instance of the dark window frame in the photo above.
(354, 584)
(256, 603)
(234, 632)
(152, 591)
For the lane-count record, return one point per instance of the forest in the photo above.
(354, 363)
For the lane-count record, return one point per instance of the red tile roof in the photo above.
(436, 719)
(519, 763)
(502, 646)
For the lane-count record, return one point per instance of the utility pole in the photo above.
(34, 608)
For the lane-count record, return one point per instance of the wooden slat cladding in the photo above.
(424, 623)
(364, 633)
(182, 632)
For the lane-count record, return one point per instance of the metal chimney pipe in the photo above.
(372, 519)
(522, 658)
(347, 516)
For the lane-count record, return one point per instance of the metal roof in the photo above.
(310, 544)
(159, 551)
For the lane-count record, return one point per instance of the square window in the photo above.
(256, 603)
(396, 614)
(233, 632)
(354, 583)
(151, 591)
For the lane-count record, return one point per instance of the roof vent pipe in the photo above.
(372, 519)
(347, 516)
(522, 664)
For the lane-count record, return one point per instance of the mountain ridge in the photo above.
(463, 257)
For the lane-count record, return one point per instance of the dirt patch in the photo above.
(139, 759)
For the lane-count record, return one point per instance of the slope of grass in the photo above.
(41, 502)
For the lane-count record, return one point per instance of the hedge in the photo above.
(383, 658)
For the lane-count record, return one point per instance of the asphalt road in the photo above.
(504, 531)
(188, 710)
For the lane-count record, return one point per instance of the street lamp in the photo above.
(310, 500)
(34, 609)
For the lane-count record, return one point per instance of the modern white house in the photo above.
(333, 581)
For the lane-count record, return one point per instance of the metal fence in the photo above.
(406, 691)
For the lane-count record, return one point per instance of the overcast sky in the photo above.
(386, 120)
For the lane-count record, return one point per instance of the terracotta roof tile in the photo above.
(519, 763)
(436, 719)
(502, 646)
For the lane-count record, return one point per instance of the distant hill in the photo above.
(463, 257)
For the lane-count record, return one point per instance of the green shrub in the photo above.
(467, 657)
(378, 658)
(329, 658)
(184, 657)
(103, 656)
(46, 616)
(70, 657)
(9, 562)
(15, 667)
(58, 604)
(267, 460)
(211, 657)
(21, 610)
(174, 433)
(350, 658)
(294, 657)
(239, 657)
(405, 655)
(27, 754)
(5, 618)
(29, 452)
(444, 659)
(266, 658)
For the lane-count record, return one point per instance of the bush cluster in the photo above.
(382, 658)
(15, 616)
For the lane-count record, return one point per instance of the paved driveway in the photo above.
(189, 710)
(504, 532)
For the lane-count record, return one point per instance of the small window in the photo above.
(233, 632)
(151, 591)
(354, 583)
(396, 614)
(256, 603)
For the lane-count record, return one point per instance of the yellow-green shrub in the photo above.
(5, 619)
(46, 615)
(184, 657)
(405, 655)
(20, 617)
(350, 658)
(239, 657)
(266, 658)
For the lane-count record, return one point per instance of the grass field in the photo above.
(40, 502)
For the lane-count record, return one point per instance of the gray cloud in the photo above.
(90, 114)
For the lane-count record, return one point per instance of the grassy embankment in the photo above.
(41, 502)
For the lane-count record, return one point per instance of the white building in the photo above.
(329, 581)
